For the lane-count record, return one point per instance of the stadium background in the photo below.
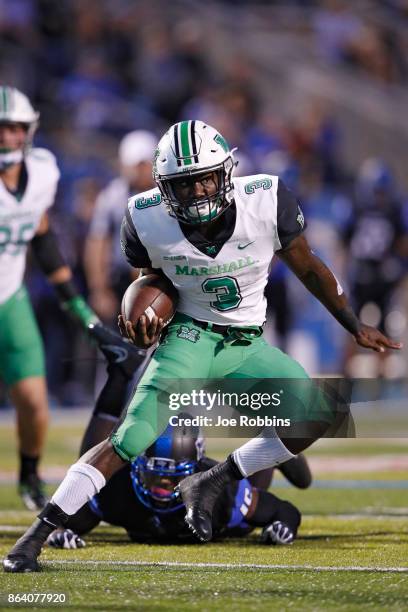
(306, 89)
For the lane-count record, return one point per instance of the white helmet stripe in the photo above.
(176, 144)
(193, 141)
(11, 99)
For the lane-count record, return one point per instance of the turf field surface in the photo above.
(351, 554)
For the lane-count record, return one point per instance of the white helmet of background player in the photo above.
(15, 107)
(188, 150)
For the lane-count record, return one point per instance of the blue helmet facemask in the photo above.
(154, 480)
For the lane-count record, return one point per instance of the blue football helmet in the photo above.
(164, 464)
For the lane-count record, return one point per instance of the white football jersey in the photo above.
(19, 218)
(227, 288)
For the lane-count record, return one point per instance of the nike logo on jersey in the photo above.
(244, 246)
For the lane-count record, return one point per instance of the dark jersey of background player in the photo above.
(118, 504)
(375, 239)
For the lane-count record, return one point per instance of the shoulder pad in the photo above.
(40, 154)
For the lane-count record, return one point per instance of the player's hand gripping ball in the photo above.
(148, 305)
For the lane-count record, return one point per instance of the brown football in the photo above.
(149, 295)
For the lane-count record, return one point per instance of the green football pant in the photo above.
(21, 347)
(189, 352)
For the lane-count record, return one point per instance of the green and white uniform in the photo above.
(226, 288)
(220, 283)
(21, 351)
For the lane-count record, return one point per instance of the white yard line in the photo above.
(227, 566)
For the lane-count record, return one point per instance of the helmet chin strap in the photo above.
(10, 159)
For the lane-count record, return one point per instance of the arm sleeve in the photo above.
(47, 252)
(134, 251)
(290, 219)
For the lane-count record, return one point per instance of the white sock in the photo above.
(264, 451)
(80, 484)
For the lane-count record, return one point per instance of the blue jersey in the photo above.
(240, 507)
(118, 504)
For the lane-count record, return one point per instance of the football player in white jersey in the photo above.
(213, 236)
(28, 183)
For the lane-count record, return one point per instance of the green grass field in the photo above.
(351, 554)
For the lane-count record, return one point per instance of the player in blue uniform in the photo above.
(140, 498)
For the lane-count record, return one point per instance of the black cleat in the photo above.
(192, 492)
(20, 565)
(199, 493)
(200, 524)
(23, 556)
(297, 471)
(31, 491)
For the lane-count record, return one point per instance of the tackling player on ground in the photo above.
(214, 237)
(140, 497)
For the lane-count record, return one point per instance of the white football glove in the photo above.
(66, 539)
(277, 533)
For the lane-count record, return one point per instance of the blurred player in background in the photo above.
(141, 498)
(28, 184)
(377, 243)
(107, 272)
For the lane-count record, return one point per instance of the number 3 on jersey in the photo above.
(226, 290)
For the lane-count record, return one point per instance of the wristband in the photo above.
(80, 310)
(72, 302)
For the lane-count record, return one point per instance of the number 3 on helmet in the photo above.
(186, 154)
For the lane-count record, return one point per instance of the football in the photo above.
(149, 295)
